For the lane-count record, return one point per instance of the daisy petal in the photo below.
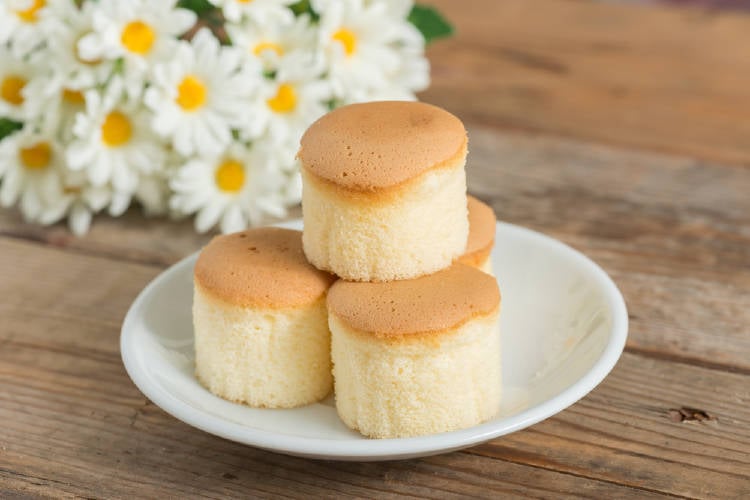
(208, 216)
(233, 220)
(79, 219)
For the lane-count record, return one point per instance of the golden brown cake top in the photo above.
(482, 222)
(432, 303)
(263, 267)
(376, 145)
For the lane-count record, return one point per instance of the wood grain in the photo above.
(75, 424)
(623, 431)
(653, 77)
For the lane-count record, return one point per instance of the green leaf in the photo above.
(200, 7)
(303, 7)
(429, 22)
(8, 126)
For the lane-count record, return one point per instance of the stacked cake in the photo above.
(385, 285)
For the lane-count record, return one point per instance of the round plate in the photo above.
(563, 322)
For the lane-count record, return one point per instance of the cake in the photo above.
(384, 191)
(260, 321)
(482, 222)
(416, 357)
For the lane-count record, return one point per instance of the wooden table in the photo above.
(623, 130)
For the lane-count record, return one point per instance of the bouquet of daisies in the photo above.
(190, 107)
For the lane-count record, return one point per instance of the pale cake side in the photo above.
(419, 231)
(260, 321)
(268, 358)
(416, 357)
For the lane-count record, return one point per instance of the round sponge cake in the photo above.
(384, 190)
(260, 321)
(416, 357)
(482, 222)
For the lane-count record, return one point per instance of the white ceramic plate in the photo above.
(563, 323)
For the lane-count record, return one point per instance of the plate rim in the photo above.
(382, 449)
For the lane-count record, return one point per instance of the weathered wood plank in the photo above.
(654, 77)
(75, 424)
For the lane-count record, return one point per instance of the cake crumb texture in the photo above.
(417, 388)
(273, 358)
(419, 230)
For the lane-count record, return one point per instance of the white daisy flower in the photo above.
(113, 142)
(83, 200)
(413, 71)
(79, 216)
(15, 75)
(293, 99)
(233, 190)
(272, 41)
(201, 94)
(31, 167)
(414, 68)
(398, 9)
(153, 192)
(411, 76)
(140, 31)
(57, 95)
(33, 173)
(52, 107)
(261, 11)
(356, 38)
(19, 24)
(64, 28)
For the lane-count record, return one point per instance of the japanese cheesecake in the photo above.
(260, 321)
(482, 222)
(416, 357)
(384, 190)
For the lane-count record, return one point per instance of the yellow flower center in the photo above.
(30, 15)
(116, 129)
(285, 99)
(191, 93)
(230, 176)
(10, 89)
(244, 1)
(72, 96)
(36, 157)
(264, 46)
(138, 37)
(348, 39)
